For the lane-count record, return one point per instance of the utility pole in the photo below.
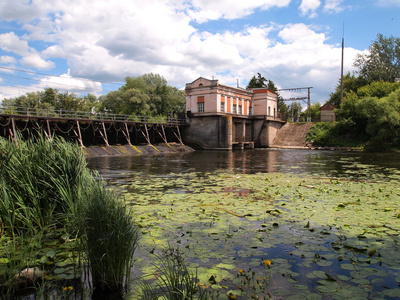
(341, 71)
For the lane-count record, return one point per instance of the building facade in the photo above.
(204, 96)
(223, 117)
(328, 113)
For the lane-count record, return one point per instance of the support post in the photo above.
(104, 136)
(178, 136)
(14, 133)
(146, 134)
(126, 134)
(48, 130)
(163, 135)
(79, 134)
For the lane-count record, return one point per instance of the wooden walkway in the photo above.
(90, 128)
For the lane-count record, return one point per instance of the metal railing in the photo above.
(65, 114)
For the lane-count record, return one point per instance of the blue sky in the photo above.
(86, 46)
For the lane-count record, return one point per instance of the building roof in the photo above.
(327, 106)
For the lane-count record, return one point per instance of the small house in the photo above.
(328, 113)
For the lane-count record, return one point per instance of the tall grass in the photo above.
(110, 238)
(172, 281)
(45, 187)
(34, 176)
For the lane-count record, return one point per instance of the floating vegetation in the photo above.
(324, 236)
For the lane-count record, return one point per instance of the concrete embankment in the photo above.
(136, 150)
(292, 135)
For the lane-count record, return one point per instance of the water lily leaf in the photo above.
(393, 293)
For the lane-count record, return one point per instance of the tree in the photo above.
(147, 95)
(383, 60)
(351, 83)
(315, 112)
(261, 82)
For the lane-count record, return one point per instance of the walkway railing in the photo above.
(51, 113)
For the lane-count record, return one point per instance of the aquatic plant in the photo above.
(40, 184)
(47, 192)
(171, 280)
(326, 237)
(109, 237)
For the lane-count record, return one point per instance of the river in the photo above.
(313, 162)
(327, 221)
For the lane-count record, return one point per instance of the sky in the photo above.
(86, 46)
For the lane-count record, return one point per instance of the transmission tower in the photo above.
(306, 100)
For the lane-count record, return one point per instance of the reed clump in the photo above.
(47, 191)
(41, 184)
(110, 238)
(172, 280)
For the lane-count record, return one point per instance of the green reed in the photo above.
(33, 177)
(110, 238)
(172, 280)
(46, 190)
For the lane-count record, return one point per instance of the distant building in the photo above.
(224, 117)
(328, 113)
(204, 97)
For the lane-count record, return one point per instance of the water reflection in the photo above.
(319, 163)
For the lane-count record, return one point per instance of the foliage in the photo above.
(318, 224)
(294, 111)
(351, 83)
(377, 89)
(315, 112)
(41, 184)
(173, 280)
(46, 191)
(382, 62)
(146, 95)
(339, 134)
(109, 237)
(373, 113)
(53, 101)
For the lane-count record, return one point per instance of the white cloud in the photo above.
(109, 40)
(7, 59)
(10, 42)
(67, 82)
(333, 6)
(20, 10)
(35, 61)
(309, 7)
(388, 3)
(204, 10)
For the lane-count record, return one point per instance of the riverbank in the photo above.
(136, 150)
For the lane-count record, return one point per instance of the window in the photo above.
(222, 107)
(200, 104)
(240, 110)
(234, 108)
(269, 110)
(200, 107)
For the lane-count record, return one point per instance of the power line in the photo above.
(55, 83)
(59, 76)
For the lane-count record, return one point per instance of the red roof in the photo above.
(328, 106)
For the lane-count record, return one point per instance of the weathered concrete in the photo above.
(135, 150)
(292, 135)
(227, 132)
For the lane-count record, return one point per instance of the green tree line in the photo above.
(146, 95)
(369, 113)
